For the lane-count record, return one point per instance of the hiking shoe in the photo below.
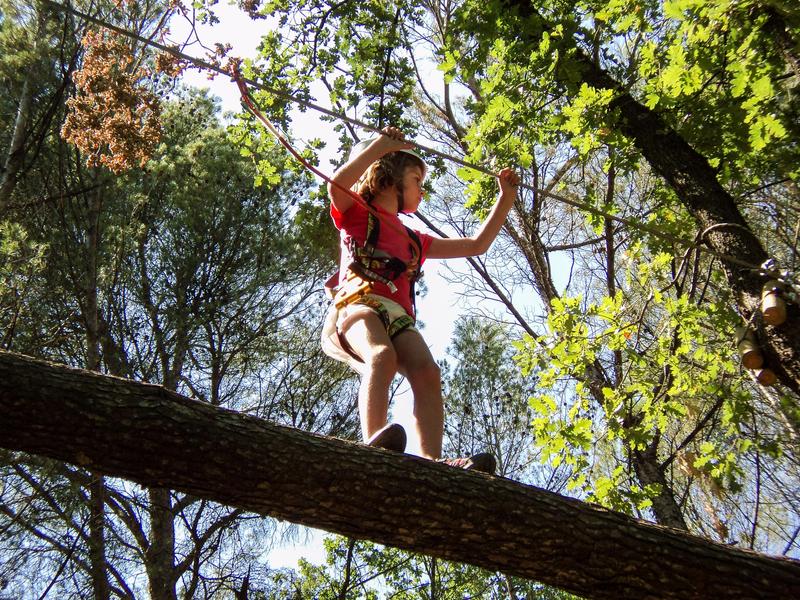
(483, 462)
(392, 437)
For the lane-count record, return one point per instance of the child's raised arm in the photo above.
(480, 242)
(390, 140)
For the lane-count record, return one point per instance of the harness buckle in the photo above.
(352, 288)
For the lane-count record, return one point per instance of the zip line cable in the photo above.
(203, 64)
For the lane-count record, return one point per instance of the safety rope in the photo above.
(252, 107)
(765, 268)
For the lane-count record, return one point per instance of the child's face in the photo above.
(412, 188)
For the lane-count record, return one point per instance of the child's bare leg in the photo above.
(418, 366)
(368, 338)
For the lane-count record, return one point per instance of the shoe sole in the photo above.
(483, 462)
(392, 437)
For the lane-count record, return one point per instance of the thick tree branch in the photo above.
(157, 438)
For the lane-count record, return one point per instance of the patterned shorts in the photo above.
(393, 316)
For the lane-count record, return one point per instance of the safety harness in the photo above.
(370, 265)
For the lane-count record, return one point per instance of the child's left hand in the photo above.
(509, 182)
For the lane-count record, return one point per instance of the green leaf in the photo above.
(762, 88)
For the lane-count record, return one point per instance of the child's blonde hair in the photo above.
(387, 172)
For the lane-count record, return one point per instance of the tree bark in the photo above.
(157, 438)
(160, 555)
(713, 208)
(97, 542)
(649, 471)
(97, 487)
(16, 150)
(778, 28)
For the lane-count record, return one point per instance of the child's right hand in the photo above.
(392, 140)
(509, 182)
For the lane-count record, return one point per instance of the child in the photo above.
(374, 333)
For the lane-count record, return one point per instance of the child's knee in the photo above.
(426, 373)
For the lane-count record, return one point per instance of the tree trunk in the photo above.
(97, 544)
(778, 28)
(157, 438)
(696, 185)
(160, 555)
(510, 589)
(16, 150)
(648, 471)
(88, 295)
(15, 158)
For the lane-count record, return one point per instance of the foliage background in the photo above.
(146, 236)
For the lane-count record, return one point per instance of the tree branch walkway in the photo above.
(157, 438)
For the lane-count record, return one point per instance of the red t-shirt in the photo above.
(353, 224)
